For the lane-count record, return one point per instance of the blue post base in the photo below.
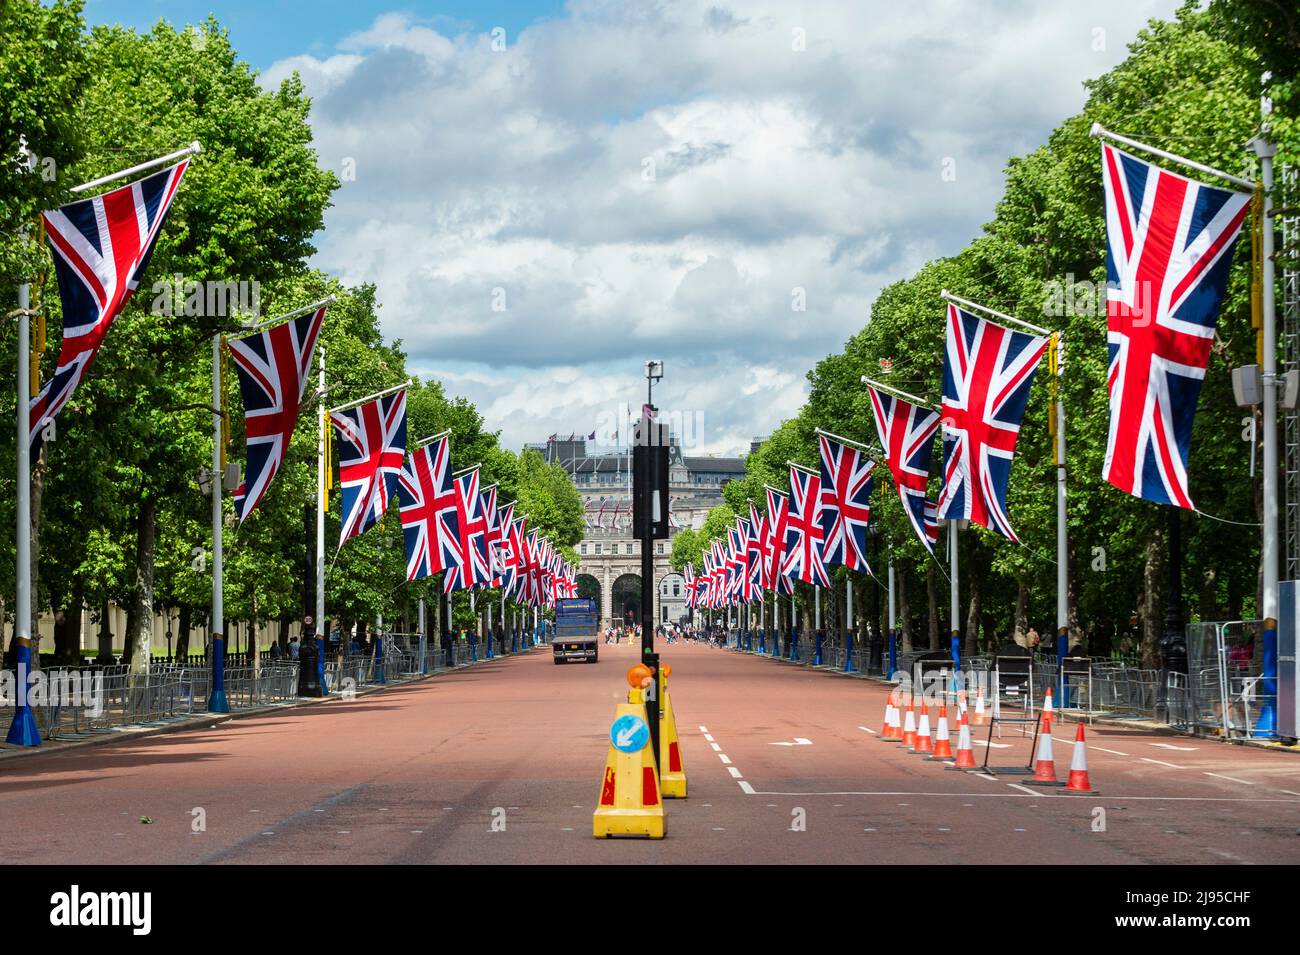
(217, 702)
(320, 669)
(473, 651)
(490, 641)
(22, 731)
(379, 660)
(762, 640)
(893, 655)
(1266, 724)
(848, 653)
(794, 644)
(776, 642)
(956, 649)
(514, 641)
(424, 660)
(817, 649)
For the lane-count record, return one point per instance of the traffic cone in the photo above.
(887, 728)
(909, 724)
(965, 753)
(923, 745)
(629, 803)
(1047, 706)
(1078, 781)
(895, 722)
(1044, 764)
(942, 747)
(980, 716)
(672, 777)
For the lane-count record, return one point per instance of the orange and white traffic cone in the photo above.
(909, 724)
(965, 752)
(1047, 706)
(980, 716)
(1044, 764)
(923, 745)
(942, 746)
(887, 729)
(1078, 781)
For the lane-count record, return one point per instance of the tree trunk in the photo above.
(932, 597)
(183, 626)
(1078, 635)
(1020, 629)
(973, 618)
(904, 607)
(105, 634)
(67, 629)
(1152, 609)
(140, 634)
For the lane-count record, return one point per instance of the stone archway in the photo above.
(625, 599)
(589, 587)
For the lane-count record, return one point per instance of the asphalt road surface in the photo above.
(419, 773)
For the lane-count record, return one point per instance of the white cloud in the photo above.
(654, 180)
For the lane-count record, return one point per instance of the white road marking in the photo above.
(1231, 779)
(704, 729)
(1005, 795)
(708, 737)
(1113, 752)
(984, 742)
(725, 759)
(735, 773)
(798, 741)
(867, 729)
(1024, 789)
(716, 747)
(1182, 749)
(1290, 793)
(1160, 762)
(746, 788)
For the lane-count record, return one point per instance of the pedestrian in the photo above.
(293, 648)
(275, 649)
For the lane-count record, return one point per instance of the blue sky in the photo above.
(264, 31)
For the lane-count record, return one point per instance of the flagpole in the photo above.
(217, 702)
(1266, 725)
(193, 149)
(893, 625)
(261, 326)
(1062, 542)
(322, 627)
(921, 402)
(954, 591)
(1099, 131)
(377, 394)
(23, 731)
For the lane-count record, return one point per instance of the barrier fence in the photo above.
(72, 703)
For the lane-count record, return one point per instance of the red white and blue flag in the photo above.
(987, 372)
(427, 499)
(758, 551)
(273, 367)
(506, 552)
(472, 527)
(101, 247)
(1169, 244)
(778, 526)
(907, 436)
(688, 582)
(804, 534)
(372, 438)
(493, 533)
(847, 482)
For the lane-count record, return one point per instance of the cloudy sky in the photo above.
(548, 194)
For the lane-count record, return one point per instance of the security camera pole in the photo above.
(650, 521)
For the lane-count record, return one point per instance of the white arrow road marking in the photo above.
(1181, 749)
(983, 742)
(798, 741)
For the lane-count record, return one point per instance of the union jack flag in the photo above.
(532, 570)
(987, 372)
(847, 482)
(472, 524)
(907, 436)
(373, 440)
(427, 500)
(778, 526)
(273, 367)
(1169, 244)
(758, 551)
(101, 247)
(493, 533)
(688, 578)
(932, 523)
(508, 552)
(804, 534)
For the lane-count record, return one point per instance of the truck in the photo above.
(576, 636)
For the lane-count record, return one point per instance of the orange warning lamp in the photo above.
(638, 676)
(667, 669)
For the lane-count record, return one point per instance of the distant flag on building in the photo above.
(101, 248)
(372, 439)
(987, 373)
(1169, 245)
(273, 367)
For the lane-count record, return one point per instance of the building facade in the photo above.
(611, 558)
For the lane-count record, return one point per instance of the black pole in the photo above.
(649, 485)
(1173, 644)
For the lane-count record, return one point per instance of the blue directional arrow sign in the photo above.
(629, 734)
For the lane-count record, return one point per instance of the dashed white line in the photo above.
(704, 729)
(708, 737)
(1024, 789)
(1113, 752)
(735, 773)
(1231, 779)
(867, 729)
(726, 760)
(716, 747)
(746, 788)
(1160, 762)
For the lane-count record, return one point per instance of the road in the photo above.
(418, 773)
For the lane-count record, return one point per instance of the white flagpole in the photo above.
(1100, 132)
(217, 702)
(322, 630)
(193, 149)
(954, 591)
